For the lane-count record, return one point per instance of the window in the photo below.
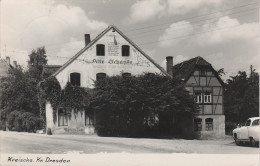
(125, 50)
(89, 118)
(75, 79)
(203, 72)
(126, 74)
(209, 124)
(207, 97)
(197, 124)
(62, 117)
(100, 76)
(248, 122)
(100, 49)
(198, 97)
(255, 122)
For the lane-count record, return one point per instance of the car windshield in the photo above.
(248, 122)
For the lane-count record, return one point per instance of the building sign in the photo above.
(113, 49)
(112, 61)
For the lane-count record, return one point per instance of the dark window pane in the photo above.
(126, 74)
(62, 118)
(100, 49)
(75, 79)
(209, 124)
(100, 76)
(89, 119)
(197, 124)
(125, 50)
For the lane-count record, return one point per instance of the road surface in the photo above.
(15, 142)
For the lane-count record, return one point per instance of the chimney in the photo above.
(169, 65)
(15, 64)
(87, 39)
(8, 60)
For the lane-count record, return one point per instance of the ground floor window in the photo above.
(209, 124)
(62, 117)
(197, 124)
(89, 118)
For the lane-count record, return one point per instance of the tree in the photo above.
(130, 105)
(242, 96)
(37, 59)
(18, 89)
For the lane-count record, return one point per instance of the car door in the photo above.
(244, 130)
(254, 130)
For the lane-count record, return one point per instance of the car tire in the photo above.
(237, 141)
(252, 142)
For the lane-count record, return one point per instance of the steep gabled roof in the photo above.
(97, 38)
(185, 69)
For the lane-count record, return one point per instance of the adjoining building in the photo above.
(112, 53)
(204, 83)
(5, 65)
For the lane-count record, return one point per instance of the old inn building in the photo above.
(113, 53)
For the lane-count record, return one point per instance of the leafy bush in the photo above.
(24, 121)
(124, 105)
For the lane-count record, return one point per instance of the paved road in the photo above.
(14, 142)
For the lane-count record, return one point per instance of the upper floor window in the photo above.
(197, 124)
(203, 97)
(126, 74)
(75, 79)
(198, 97)
(62, 117)
(125, 50)
(100, 76)
(209, 124)
(203, 72)
(207, 97)
(100, 49)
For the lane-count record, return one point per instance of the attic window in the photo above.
(75, 79)
(203, 72)
(125, 50)
(100, 49)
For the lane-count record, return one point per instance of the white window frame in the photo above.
(207, 97)
(198, 98)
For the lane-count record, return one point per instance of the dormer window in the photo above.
(75, 79)
(125, 50)
(100, 49)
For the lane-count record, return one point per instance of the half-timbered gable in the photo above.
(203, 82)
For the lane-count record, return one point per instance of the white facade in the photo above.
(88, 63)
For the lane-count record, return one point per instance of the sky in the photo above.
(223, 32)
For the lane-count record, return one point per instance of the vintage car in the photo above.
(248, 133)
